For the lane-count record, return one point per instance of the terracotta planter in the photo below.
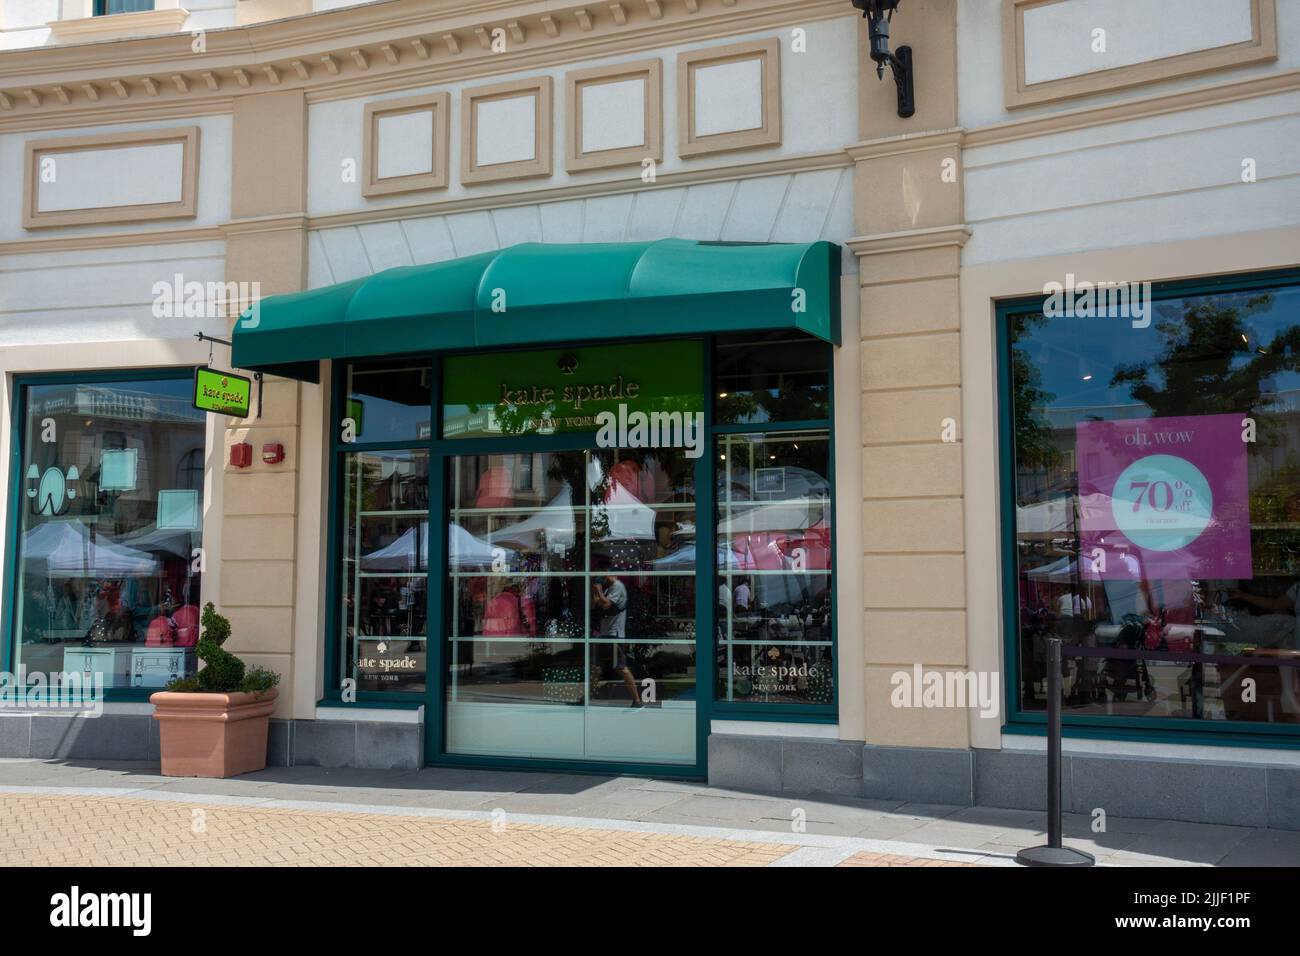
(212, 735)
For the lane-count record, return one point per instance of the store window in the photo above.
(576, 583)
(774, 612)
(384, 542)
(109, 528)
(108, 7)
(1156, 483)
(572, 626)
(772, 377)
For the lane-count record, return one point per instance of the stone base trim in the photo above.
(1199, 791)
(369, 745)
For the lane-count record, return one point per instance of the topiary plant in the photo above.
(222, 672)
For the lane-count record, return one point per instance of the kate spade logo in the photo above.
(567, 363)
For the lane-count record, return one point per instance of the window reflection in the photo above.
(771, 377)
(111, 520)
(1158, 507)
(385, 547)
(774, 568)
(572, 595)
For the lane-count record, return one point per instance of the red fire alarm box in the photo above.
(273, 453)
(241, 454)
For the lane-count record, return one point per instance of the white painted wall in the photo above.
(801, 207)
(101, 295)
(506, 130)
(728, 97)
(1060, 40)
(213, 188)
(613, 114)
(1154, 179)
(209, 14)
(979, 59)
(22, 22)
(818, 90)
(405, 144)
(102, 178)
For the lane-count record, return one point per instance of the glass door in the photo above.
(571, 606)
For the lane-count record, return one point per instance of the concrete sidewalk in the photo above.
(454, 815)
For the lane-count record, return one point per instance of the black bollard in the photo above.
(1054, 854)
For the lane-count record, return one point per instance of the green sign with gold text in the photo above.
(222, 392)
(554, 391)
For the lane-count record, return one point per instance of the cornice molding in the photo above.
(288, 222)
(911, 240)
(357, 51)
(907, 143)
(111, 240)
(1284, 82)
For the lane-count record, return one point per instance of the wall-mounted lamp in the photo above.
(878, 14)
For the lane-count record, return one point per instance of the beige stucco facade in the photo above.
(940, 216)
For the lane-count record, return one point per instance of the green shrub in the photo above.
(222, 672)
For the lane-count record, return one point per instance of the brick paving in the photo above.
(893, 859)
(45, 830)
(112, 831)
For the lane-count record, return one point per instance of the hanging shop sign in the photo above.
(556, 391)
(1163, 498)
(222, 393)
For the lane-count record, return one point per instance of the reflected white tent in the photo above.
(750, 517)
(626, 516)
(67, 549)
(1065, 570)
(165, 541)
(683, 559)
(408, 552)
(468, 552)
(1056, 515)
(555, 524)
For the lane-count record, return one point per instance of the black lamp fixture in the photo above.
(878, 14)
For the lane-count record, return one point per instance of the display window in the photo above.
(107, 529)
(1153, 482)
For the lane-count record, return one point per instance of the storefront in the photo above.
(880, 456)
(579, 554)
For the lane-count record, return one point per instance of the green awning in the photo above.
(538, 293)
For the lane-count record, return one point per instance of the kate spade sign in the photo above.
(554, 391)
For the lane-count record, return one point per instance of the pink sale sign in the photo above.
(1164, 498)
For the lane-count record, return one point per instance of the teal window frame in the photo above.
(17, 432)
(1095, 726)
(441, 451)
(104, 8)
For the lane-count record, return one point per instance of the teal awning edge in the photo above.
(540, 293)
